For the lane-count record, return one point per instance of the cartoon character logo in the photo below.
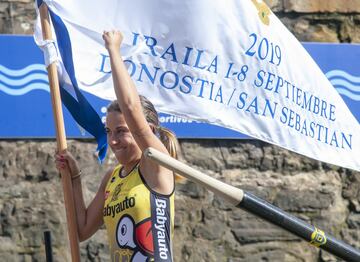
(136, 237)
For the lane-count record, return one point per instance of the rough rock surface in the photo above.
(206, 227)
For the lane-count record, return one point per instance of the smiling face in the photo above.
(120, 139)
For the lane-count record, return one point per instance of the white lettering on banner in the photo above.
(174, 119)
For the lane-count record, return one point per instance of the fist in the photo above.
(113, 39)
(65, 161)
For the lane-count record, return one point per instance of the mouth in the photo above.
(118, 149)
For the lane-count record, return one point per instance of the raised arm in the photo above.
(127, 95)
(158, 178)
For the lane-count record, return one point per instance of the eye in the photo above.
(123, 230)
(121, 131)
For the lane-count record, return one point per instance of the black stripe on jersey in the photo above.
(161, 230)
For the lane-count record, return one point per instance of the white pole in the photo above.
(232, 194)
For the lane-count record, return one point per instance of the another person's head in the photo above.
(121, 140)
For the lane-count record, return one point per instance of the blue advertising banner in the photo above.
(25, 105)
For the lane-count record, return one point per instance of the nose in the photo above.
(112, 140)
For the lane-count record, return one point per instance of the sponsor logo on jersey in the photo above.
(112, 210)
(161, 228)
(117, 191)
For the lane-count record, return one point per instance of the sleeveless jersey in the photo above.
(138, 220)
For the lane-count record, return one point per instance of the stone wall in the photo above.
(207, 228)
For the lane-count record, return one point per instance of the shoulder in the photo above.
(158, 178)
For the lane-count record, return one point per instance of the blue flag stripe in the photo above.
(81, 110)
(39, 2)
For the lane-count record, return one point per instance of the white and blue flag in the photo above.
(230, 63)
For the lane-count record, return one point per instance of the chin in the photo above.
(124, 158)
(127, 156)
(121, 158)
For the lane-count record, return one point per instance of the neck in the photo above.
(129, 167)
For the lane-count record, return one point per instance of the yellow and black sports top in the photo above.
(139, 221)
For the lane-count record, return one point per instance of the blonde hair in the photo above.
(166, 136)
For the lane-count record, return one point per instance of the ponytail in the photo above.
(168, 138)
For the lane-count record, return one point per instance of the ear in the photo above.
(153, 128)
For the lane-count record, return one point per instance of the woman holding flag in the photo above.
(136, 199)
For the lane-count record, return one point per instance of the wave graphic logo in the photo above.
(21, 81)
(346, 84)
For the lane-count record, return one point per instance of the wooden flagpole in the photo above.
(61, 140)
(259, 207)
